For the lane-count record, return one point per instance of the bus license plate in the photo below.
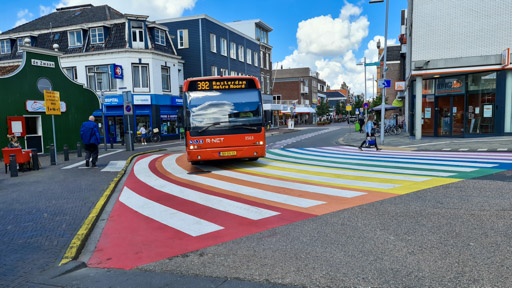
(228, 153)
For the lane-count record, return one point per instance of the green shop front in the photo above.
(151, 110)
(22, 97)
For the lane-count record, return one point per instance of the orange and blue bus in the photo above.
(223, 118)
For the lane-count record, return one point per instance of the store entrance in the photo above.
(115, 128)
(450, 115)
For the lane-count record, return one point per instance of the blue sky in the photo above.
(330, 37)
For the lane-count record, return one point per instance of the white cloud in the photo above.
(23, 13)
(20, 22)
(45, 10)
(156, 9)
(327, 46)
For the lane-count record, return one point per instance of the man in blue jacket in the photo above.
(91, 137)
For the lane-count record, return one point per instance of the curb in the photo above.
(78, 242)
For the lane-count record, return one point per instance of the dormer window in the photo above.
(75, 38)
(20, 44)
(160, 37)
(5, 46)
(97, 35)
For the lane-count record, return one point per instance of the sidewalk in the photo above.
(406, 142)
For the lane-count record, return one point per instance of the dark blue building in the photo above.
(212, 48)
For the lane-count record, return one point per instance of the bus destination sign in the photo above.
(228, 84)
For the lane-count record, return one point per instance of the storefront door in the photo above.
(450, 115)
(115, 128)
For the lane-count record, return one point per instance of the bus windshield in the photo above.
(214, 110)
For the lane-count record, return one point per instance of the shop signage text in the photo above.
(117, 71)
(42, 63)
(451, 85)
(141, 99)
(113, 100)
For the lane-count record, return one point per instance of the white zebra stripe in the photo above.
(356, 167)
(143, 173)
(342, 172)
(284, 184)
(169, 164)
(183, 222)
(382, 163)
(315, 151)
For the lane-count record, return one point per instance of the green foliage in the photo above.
(322, 109)
(339, 108)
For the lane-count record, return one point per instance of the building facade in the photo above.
(458, 67)
(111, 53)
(212, 48)
(299, 88)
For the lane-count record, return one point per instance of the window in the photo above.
(138, 35)
(232, 50)
(20, 44)
(182, 39)
(241, 53)
(166, 78)
(140, 78)
(97, 35)
(214, 70)
(267, 63)
(160, 37)
(223, 72)
(262, 60)
(213, 43)
(75, 38)
(262, 83)
(223, 47)
(168, 124)
(99, 78)
(261, 35)
(256, 59)
(71, 72)
(249, 56)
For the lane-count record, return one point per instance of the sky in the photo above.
(329, 36)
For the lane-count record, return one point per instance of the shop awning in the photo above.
(397, 103)
(300, 110)
(387, 107)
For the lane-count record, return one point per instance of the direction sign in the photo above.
(373, 64)
(365, 105)
(52, 102)
(384, 83)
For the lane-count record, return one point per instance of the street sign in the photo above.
(52, 102)
(349, 107)
(384, 83)
(365, 105)
(128, 109)
(373, 64)
(357, 111)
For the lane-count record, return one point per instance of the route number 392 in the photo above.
(203, 85)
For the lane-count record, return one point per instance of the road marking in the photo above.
(191, 225)
(481, 149)
(144, 174)
(447, 149)
(169, 164)
(83, 162)
(113, 166)
(502, 149)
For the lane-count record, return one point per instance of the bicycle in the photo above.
(153, 135)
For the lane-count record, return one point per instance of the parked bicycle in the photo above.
(151, 136)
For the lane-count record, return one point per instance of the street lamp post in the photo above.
(365, 110)
(383, 109)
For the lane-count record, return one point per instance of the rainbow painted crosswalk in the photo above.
(168, 207)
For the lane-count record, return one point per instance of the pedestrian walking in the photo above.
(361, 124)
(142, 131)
(369, 133)
(91, 138)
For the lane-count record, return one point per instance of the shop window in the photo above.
(143, 120)
(168, 124)
(481, 103)
(99, 78)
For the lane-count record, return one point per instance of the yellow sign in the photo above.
(349, 107)
(52, 102)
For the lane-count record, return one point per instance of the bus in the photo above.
(223, 118)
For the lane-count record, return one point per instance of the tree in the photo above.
(322, 109)
(339, 108)
(344, 86)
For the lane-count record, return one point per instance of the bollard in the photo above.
(78, 149)
(35, 159)
(13, 166)
(53, 161)
(111, 142)
(122, 141)
(66, 152)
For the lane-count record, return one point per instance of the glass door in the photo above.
(427, 116)
(458, 115)
(443, 116)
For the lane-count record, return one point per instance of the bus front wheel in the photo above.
(253, 159)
